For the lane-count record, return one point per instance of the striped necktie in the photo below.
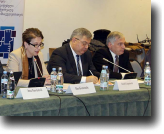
(117, 63)
(78, 66)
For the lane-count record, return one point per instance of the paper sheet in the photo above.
(139, 81)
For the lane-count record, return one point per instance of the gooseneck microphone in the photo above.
(38, 66)
(116, 65)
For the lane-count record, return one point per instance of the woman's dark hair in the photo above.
(30, 34)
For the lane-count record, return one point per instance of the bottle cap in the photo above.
(54, 69)
(60, 68)
(11, 72)
(5, 72)
(103, 66)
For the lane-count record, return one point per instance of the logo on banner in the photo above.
(7, 35)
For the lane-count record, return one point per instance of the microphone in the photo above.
(116, 65)
(37, 66)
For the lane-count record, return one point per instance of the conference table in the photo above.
(102, 103)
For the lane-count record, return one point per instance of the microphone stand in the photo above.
(116, 65)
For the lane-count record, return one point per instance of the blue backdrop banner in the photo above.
(11, 26)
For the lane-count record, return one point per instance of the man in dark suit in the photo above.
(115, 53)
(75, 59)
(1, 68)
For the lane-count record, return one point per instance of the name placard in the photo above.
(32, 93)
(122, 85)
(83, 88)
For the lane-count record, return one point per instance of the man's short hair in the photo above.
(112, 37)
(80, 32)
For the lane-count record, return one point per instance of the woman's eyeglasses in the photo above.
(36, 46)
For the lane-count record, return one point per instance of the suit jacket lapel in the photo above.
(71, 58)
(121, 60)
(110, 59)
(84, 65)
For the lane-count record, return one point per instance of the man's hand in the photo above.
(93, 79)
(48, 79)
(47, 76)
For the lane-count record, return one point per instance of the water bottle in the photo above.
(103, 79)
(4, 81)
(147, 74)
(11, 86)
(60, 81)
(53, 80)
(107, 75)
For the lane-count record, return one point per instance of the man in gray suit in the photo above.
(1, 68)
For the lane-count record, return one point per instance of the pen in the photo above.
(91, 72)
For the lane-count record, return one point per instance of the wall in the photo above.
(57, 19)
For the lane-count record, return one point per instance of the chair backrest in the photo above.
(141, 57)
(101, 35)
(136, 67)
(50, 51)
(46, 63)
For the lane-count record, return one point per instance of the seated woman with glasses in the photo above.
(28, 58)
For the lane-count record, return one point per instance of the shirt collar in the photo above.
(113, 55)
(74, 54)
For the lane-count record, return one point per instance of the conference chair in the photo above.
(46, 63)
(141, 57)
(51, 51)
(136, 67)
(65, 42)
(101, 35)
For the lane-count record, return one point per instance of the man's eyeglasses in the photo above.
(36, 46)
(83, 42)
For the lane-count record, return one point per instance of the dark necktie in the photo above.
(78, 66)
(117, 63)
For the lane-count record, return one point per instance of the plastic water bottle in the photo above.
(4, 81)
(11, 86)
(107, 75)
(103, 79)
(147, 74)
(60, 81)
(53, 80)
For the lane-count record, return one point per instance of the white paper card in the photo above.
(65, 86)
(48, 87)
(32, 93)
(83, 88)
(129, 84)
(139, 81)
